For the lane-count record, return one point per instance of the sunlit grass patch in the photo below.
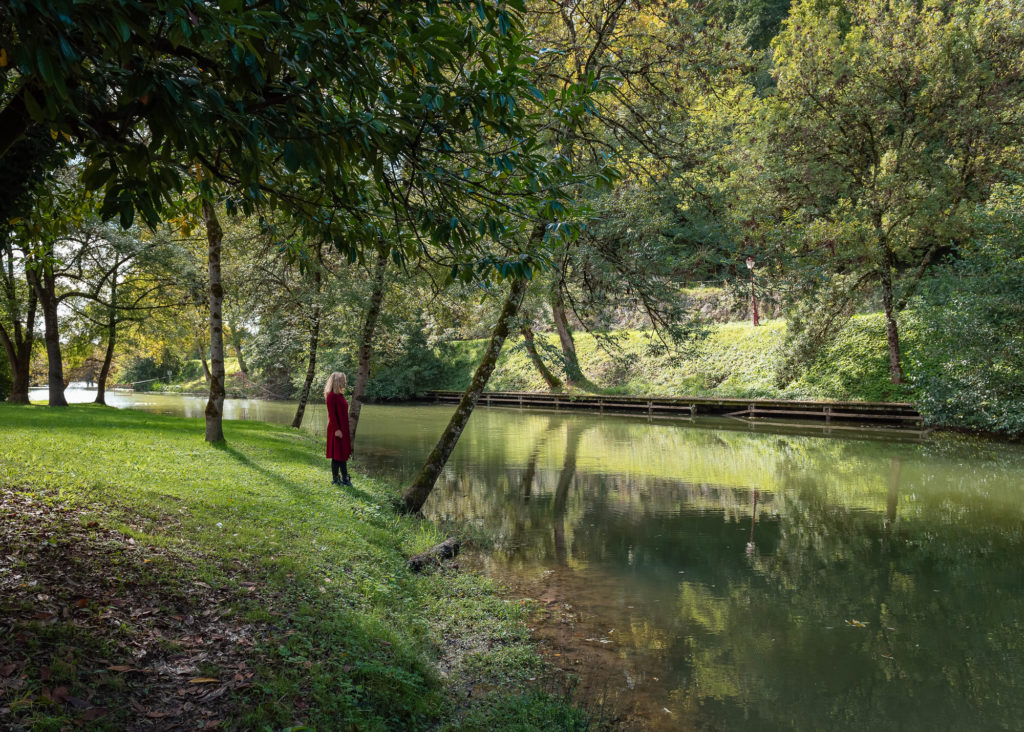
(278, 599)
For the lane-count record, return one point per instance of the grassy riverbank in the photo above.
(734, 359)
(146, 577)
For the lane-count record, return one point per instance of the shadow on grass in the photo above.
(239, 456)
(349, 490)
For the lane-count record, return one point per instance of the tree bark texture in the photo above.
(553, 382)
(215, 404)
(573, 373)
(366, 341)
(21, 363)
(46, 289)
(19, 340)
(101, 380)
(447, 549)
(314, 342)
(417, 493)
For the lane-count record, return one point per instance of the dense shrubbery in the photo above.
(970, 370)
(414, 369)
(148, 369)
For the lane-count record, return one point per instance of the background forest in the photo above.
(238, 201)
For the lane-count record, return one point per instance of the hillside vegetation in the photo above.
(734, 359)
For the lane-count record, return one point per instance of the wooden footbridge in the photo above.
(834, 414)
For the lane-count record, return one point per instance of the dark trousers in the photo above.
(339, 465)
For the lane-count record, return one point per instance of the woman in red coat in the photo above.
(339, 439)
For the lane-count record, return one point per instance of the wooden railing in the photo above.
(833, 413)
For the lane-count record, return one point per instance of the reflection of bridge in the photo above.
(835, 414)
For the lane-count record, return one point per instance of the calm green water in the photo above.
(877, 584)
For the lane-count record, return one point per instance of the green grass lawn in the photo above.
(147, 577)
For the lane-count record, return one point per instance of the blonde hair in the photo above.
(335, 382)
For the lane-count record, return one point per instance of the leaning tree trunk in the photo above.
(314, 341)
(573, 373)
(236, 341)
(417, 493)
(101, 380)
(366, 341)
(206, 365)
(553, 382)
(215, 404)
(45, 285)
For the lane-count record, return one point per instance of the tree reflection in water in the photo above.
(876, 583)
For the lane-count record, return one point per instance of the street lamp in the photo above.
(753, 297)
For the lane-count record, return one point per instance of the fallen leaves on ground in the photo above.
(95, 625)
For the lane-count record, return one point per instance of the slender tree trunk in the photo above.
(108, 357)
(314, 341)
(573, 373)
(366, 341)
(891, 326)
(553, 382)
(215, 404)
(45, 285)
(417, 493)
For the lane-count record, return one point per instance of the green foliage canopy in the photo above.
(326, 109)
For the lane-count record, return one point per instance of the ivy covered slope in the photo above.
(149, 578)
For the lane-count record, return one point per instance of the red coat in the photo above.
(338, 448)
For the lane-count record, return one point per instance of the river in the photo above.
(703, 575)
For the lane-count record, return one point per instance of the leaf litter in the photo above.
(95, 629)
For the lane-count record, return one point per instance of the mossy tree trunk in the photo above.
(417, 493)
(236, 342)
(573, 373)
(529, 341)
(215, 403)
(366, 340)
